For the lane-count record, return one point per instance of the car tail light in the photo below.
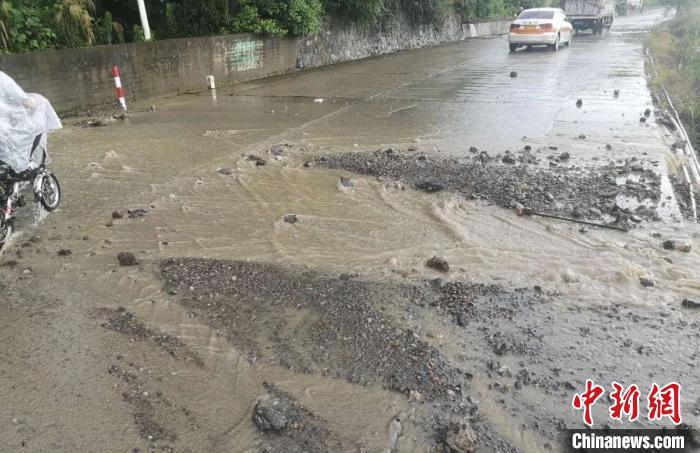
(546, 26)
(514, 27)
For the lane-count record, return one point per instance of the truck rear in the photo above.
(594, 15)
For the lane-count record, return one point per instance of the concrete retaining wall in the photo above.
(77, 79)
(340, 42)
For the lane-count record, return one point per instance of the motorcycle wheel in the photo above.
(50, 192)
(5, 232)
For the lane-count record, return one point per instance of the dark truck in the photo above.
(594, 15)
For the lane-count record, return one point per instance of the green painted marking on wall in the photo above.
(245, 56)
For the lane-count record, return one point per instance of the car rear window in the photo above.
(536, 15)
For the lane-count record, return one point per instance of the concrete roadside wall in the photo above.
(75, 80)
(339, 42)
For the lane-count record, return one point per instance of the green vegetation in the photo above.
(675, 46)
(477, 9)
(27, 25)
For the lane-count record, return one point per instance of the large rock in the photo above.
(438, 263)
(688, 303)
(271, 414)
(127, 259)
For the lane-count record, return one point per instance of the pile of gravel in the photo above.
(517, 180)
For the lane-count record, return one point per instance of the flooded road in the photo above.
(312, 278)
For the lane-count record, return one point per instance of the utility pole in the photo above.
(144, 20)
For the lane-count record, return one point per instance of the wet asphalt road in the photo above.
(441, 101)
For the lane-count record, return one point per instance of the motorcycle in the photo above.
(44, 185)
(25, 121)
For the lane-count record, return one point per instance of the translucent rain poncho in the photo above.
(23, 117)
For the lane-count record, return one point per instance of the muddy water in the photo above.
(378, 229)
(440, 101)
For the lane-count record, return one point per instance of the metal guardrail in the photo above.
(688, 149)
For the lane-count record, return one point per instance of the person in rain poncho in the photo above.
(23, 118)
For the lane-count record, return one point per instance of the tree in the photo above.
(74, 22)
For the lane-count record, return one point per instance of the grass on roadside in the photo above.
(675, 47)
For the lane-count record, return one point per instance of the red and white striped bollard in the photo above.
(118, 85)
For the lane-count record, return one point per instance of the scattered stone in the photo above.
(259, 161)
(117, 215)
(137, 213)
(225, 171)
(500, 348)
(415, 395)
(430, 187)
(473, 149)
(127, 259)
(687, 303)
(669, 245)
(438, 263)
(291, 218)
(579, 103)
(608, 146)
(582, 136)
(64, 252)
(153, 107)
(513, 74)
(646, 282)
(508, 159)
(675, 245)
(647, 112)
(109, 224)
(564, 156)
(346, 182)
(278, 150)
(504, 371)
(616, 93)
(460, 439)
(642, 119)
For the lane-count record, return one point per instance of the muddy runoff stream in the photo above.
(252, 273)
(289, 307)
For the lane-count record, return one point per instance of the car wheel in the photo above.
(555, 46)
(513, 47)
(571, 36)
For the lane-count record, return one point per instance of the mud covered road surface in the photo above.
(332, 261)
